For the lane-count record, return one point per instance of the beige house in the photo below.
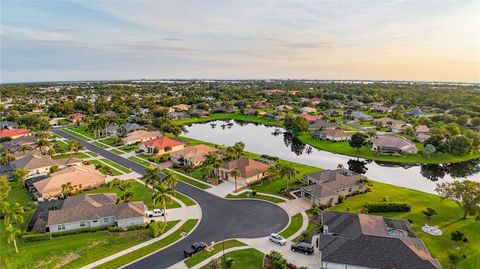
(93, 210)
(81, 177)
(159, 145)
(181, 107)
(393, 144)
(333, 135)
(41, 164)
(325, 187)
(140, 136)
(192, 156)
(250, 170)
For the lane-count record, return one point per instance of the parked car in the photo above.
(139, 151)
(194, 248)
(277, 239)
(303, 247)
(155, 213)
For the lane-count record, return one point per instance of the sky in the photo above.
(301, 39)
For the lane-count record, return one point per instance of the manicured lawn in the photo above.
(60, 146)
(116, 165)
(78, 155)
(104, 168)
(129, 148)
(140, 161)
(249, 258)
(448, 220)
(83, 129)
(186, 200)
(192, 182)
(365, 152)
(116, 151)
(248, 194)
(151, 158)
(203, 255)
(140, 193)
(91, 153)
(175, 236)
(296, 222)
(66, 130)
(100, 145)
(234, 116)
(110, 140)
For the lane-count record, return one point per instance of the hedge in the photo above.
(80, 230)
(387, 207)
(35, 237)
(134, 227)
(115, 229)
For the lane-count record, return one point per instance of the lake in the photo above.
(275, 141)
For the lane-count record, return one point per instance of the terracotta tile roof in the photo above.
(309, 117)
(162, 142)
(140, 135)
(75, 116)
(247, 167)
(194, 153)
(13, 132)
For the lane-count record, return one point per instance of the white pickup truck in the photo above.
(155, 213)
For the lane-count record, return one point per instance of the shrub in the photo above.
(115, 229)
(36, 237)
(229, 262)
(385, 199)
(157, 228)
(134, 227)
(79, 231)
(341, 198)
(465, 240)
(457, 235)
(387, 207)
(254, 193)
(277, 260)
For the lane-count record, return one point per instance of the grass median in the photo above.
(248, 195)
(116, 165)
(185, 199)
(295, 224)
(203, 255)
(243, 259)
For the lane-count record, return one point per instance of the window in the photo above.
(95, 221)
(82, 223)
(105, 220)
(61, 227)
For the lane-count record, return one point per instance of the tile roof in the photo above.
(309, 117)
(139, 135)
(13, 132)
(162, 142)
(247, 167)
(328, 182)
(337, 133)
(393, 141)
(30, 162)
(194, 153)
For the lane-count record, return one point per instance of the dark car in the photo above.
(139, 151)
(194, 248)
(303, 247)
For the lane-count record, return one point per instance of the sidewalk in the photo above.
(182, 213)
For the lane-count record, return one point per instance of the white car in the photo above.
(155, 213)
(277, 239)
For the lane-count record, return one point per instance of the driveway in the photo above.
(221, 218)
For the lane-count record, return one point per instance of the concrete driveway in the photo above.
(221, 218)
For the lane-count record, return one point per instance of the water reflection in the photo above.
(277, 142)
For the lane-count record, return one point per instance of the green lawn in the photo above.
(104, 168)
(192, 182)
(151, 158)
(140, 193)
(185, 199)
(116, 165)
(233, 116)
(83, 129)
(66, 130)
(60, 146)
(248, 194)
(78, 155)
(203, 255)
(129, 148)
(100, 145)
(112, 141)
(116, 151)
(296, 222)
(139, 161)
(249, 258)
(173, 237)
(366, 152)
(448, 220)
(91, 153)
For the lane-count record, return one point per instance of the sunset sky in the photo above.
(378, 39)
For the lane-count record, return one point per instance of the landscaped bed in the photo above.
(140, 161)
(116, 165)
(249, 195)
(104, 168)
(203, 255)
(192, 182)
(78, 155)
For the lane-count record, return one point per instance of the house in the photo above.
(192, 156)
(393, 144)
(41, 164)
(315, 100)
(309, 117)
(283, 108)
(115, 129)
(358, 116)
(416, 112)
(386, 121)
(181, 107)
(360, 241)
(53, 122)
(80, 176)
(250, 170)
(422, 129)
(381, 109)
(93, 210)
(308, 110)
(332, 112)
(179, 115)
(16, 144)
(14, 133)
(325, 187)
(140, 136)
(251, 112)
(8, 125)
(260, 104)
(221, 109)
(158, 145)
(76, 117)
(332, 135)
(321, 124)
(199, 113)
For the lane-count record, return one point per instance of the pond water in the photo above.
(277, 142)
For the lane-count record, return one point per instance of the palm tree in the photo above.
(124, 185)
(273, 171)
(167, 149)
(43, 144)
(239, 148)
(152, 177)
(162, 196)
(24, 149)
(67, 189)
(289, 172)
(12, 234)
(74, 146)
(231, 153)
(11, 212)
(235, 173)
(171, 179)
(7, 157)
(212, 162)
(125, 198)
(20, 174)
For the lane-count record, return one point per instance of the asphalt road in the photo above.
(221, 218)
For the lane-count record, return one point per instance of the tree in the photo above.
(429, 149)
(54, 168)
(24, 149)
(372, 133)
(277, 260)
(235, 173)
(409, 131)
(4, 188)
(20, 174)
(167, 149)
(296, 125)
(124, 185)
(11, 212)
(288, 172)
(239, 148)
(429, 212)
(12, 234)
(273, 171)
(465, 193)
(461, 145)
(74, 146)
(125, 197)
(67, 189)
(161, 196)
(7, 157)
(153, 176)
(212, 163)
(171, 179)
(358, 140)
(455, 259)
(43, 145)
